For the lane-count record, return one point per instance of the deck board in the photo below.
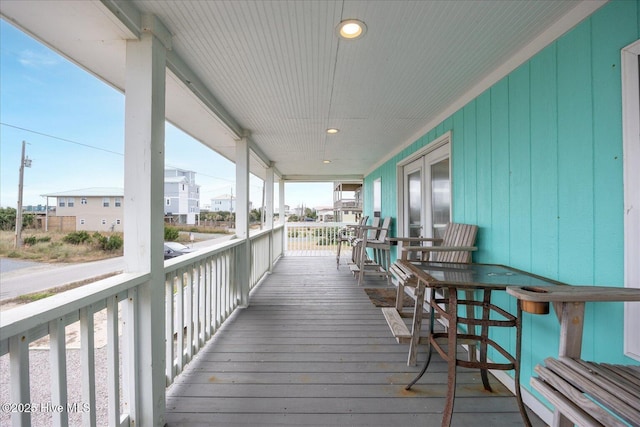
(311, 349)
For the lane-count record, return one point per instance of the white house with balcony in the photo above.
(223, 203)
(181, 196)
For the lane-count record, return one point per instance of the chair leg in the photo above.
(451, 359)
(400, 297)
(416, 327)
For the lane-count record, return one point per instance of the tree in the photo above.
(255, 215)
(310, 213)
(7, 218)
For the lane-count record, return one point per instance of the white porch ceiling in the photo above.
(277, 69)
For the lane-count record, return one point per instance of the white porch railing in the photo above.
(202, 291)
(313, 238)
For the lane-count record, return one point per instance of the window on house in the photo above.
(104, 222)
(83, 201)
(71, 202)
(105, 202)
(118, 222)
(82, 221)
(118, 202)
(61, 203)
(167, 201)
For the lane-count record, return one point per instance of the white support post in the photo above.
(144, 222)
(281, 201)
(242, 219)
(268, 185)
(281, 217)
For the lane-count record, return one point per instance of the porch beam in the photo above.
(181, 70)
(144, 222)
(322, 178)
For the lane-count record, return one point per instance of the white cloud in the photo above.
(29, 58)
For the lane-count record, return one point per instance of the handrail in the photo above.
(202, 291)
(313, 238)
(29, 316)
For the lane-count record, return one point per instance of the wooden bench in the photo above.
(583, 393)
(348, 235)
(375, 239)
(582, 390)
(455, 246)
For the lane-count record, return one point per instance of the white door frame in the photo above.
(631, 162)
(442, 143)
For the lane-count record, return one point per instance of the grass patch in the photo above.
(23, 299)
(51, 247)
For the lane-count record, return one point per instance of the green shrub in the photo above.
(111, 243)
(77, 237)
(171, 234)
(30, 240)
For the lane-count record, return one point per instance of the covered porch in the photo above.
(200, 339)
(312, 349)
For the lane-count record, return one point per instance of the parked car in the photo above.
(174, 249)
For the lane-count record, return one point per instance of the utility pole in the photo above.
(24, 162)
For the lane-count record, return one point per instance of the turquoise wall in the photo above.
(537, 164)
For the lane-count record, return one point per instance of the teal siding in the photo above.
(537, 164)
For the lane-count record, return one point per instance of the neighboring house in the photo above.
(90, 209)
(100, 208)
(287, 210)
(325, 214)
(347, 201)
(223, 203)
(181, 196)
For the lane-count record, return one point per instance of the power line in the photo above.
(99, 148)
(61, 139)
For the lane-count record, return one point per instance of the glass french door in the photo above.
(427, 194)
(413, 198)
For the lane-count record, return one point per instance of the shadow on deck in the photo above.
(311, 349)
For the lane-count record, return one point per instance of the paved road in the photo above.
(23, 277)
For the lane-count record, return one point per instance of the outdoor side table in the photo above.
(444, 281)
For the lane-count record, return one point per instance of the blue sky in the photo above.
(73, 124)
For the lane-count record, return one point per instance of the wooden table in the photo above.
(444, 281)
(569, 303)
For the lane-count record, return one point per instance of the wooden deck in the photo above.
(312, 350)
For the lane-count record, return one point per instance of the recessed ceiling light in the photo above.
(332, 131)
(351, 29)
(326, 161)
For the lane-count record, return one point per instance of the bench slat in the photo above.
(396, 324)
(628, 372)
(615, 374)
(570, 401)
(572, 411)
(604, 390)
(584, 382)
